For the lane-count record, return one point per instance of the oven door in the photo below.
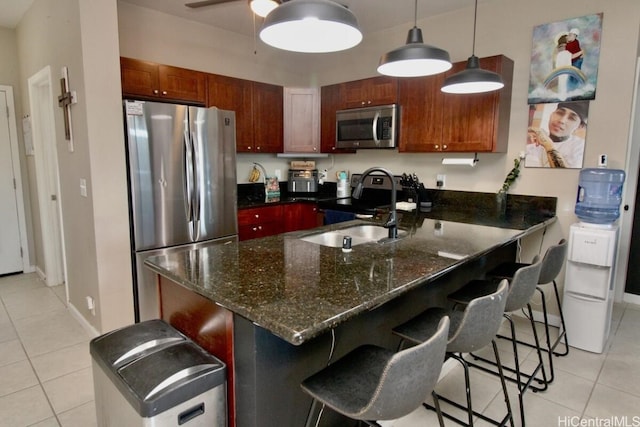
(372, 127)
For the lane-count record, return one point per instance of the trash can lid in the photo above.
(165, 378)
(117, 348)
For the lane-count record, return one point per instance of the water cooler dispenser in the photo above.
(589, 273)
(588, 285)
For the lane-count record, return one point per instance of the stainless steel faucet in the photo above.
(392, 221)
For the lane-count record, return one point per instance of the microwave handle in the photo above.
(375, 126)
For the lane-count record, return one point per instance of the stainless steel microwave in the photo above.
(369, 127)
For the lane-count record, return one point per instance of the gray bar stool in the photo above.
(471, 329)
(521, 289)
(552, 262)
(373, 383)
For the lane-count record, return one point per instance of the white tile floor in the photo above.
(46, 380)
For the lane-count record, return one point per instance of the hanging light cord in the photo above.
(255, 38)
(475, 20)
(415, 14)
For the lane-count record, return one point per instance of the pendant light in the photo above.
(313, 26)
(473, 79)
(414, 58)
(263, 7)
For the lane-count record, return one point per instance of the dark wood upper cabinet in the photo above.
(259, 111)
(421, 113)
(330, 102)
(369, 92)
(148, 80)
(433, 121)
(229, 93)
(268, 113)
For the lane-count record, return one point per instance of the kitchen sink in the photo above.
(359, 234)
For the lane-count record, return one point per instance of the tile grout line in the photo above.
(11, 320)
(608, 348)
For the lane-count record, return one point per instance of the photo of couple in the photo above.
(563, 78)
(564, 60)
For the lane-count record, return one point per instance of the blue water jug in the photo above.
(599, 195)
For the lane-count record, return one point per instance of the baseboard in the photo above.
(80, 318)
(631, 298)
(41, 274)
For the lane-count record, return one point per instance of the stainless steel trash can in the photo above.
(150, 375)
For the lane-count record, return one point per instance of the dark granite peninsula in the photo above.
(279, 308)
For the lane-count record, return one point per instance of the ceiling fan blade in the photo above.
(198, 4)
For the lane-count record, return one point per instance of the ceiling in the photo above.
(12, 11)
(235, 16)
(372, 15)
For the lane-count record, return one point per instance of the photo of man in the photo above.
(556, 135)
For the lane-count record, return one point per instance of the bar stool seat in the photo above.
(552, 262)
(372, 383)
(470, 330)
(521, 289)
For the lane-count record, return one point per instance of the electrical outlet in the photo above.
(91, 305)
(440, 178)
(83, 187)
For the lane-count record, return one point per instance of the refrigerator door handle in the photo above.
(188, 169)
(198, 179)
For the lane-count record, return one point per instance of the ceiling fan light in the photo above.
(263, 7)
(311, 26)
(472, 79)
(414, 58)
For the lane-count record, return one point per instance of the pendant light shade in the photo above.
(263, 7)
(473, 79)
(313, 26)
(414, 58)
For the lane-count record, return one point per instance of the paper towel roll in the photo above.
(463, 162)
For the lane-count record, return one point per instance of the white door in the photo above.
(46, 159)
(10, 250)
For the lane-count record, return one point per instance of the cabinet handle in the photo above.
(444, 147)
(164, 92)
(257, 148)
(436, 146)
(156, 91)
(255, 229)
(315, 149)
(362, 103)
(259, 227)
(257, 215)
(248, 148)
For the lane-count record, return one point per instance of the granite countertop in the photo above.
(298, 290)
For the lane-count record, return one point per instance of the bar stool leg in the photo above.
(548, 338)
(563, 333)
(545, 381)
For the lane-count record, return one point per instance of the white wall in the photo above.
(82, 35)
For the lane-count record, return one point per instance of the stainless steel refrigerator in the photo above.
(181, 163)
